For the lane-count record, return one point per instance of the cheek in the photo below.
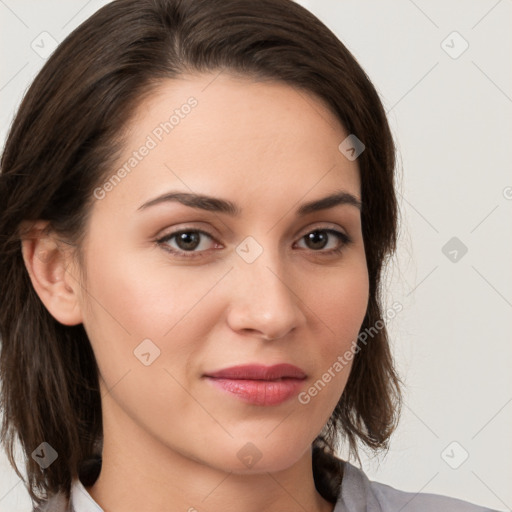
(341, 304)
(130, 301)
(345, 305)
(340, 299)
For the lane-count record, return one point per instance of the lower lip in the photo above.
(259, 392)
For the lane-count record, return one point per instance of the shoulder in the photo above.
(358, 493)
(391, 498)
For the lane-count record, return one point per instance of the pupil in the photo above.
(318, 239)
(188, 240)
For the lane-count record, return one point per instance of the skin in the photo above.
(170, 438)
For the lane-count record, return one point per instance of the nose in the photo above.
(262, 300)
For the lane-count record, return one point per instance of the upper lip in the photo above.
(259, 372)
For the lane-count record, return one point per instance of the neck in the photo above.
(140, 473)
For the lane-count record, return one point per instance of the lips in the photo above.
(258, 384)
(259, 372)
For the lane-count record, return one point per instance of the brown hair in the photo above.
(64, 141)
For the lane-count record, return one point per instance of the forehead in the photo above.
(225, 135)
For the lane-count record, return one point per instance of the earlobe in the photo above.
(49, 266)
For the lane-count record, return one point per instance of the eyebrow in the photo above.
(215, 204)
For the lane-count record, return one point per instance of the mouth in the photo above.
(257, 384)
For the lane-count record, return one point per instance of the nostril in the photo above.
(272, 338)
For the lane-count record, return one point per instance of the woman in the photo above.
(198, 211)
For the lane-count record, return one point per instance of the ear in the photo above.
(52, 272)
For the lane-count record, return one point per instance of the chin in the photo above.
(261, 455)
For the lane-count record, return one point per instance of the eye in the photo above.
(319, 239)
(187, 242)
(193, 243)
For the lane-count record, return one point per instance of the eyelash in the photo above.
(342, 237)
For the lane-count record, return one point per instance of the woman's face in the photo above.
(172, 318)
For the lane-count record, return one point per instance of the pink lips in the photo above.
(259, 385)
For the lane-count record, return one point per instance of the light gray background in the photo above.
(452, 121)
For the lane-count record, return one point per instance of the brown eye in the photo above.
(319, 238)
(316, 239)
(187, 242)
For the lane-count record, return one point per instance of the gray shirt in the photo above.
(357, 494)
